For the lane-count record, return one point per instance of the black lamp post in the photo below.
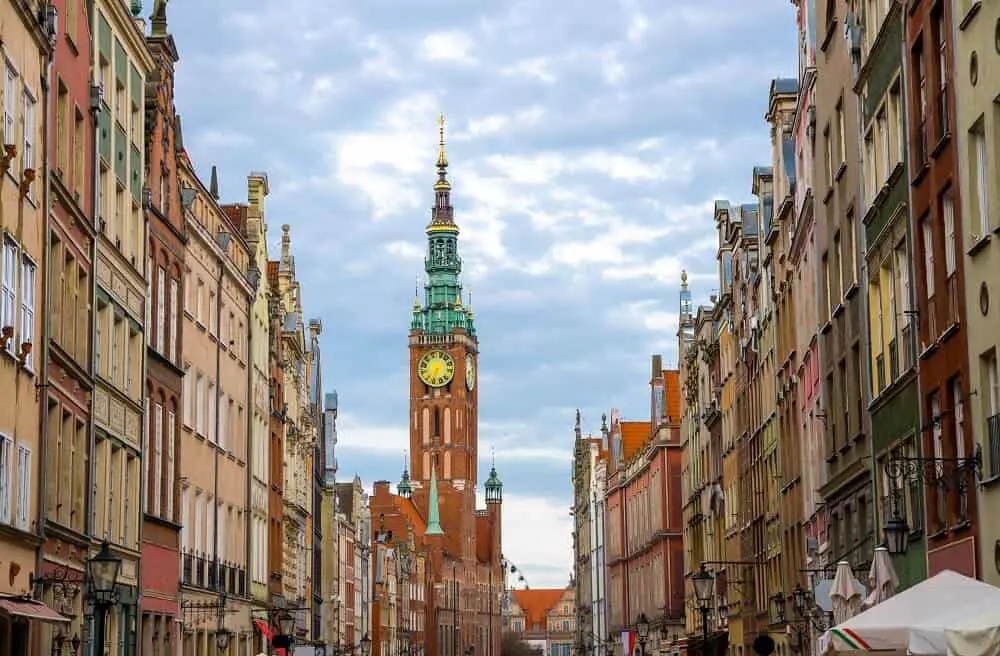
(897, 535)
(102, 578)
(366, 645)
(704, 583)
(286, 625)
(642, 628)
(222, 636)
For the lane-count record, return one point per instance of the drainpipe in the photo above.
(251, 442)
(43, 370)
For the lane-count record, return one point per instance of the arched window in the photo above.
(437, 422)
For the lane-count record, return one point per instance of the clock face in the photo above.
(436, 368)
(470, 372)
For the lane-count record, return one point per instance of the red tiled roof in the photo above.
(535, 603)
(411, 513)
(634, 435)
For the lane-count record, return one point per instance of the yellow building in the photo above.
(121, 63)
(214, 447)
(978, 135)
(22, 262)
(299, 445)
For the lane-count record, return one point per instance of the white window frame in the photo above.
(948, 218)
(9, 106)
(23, 517)
(29, 277)
(30, 128)
(6, 477)
(171, 465)
(145, 449)
(982, 179)
(161, 318)
(927, 239)
(157, 455)
(174, 320)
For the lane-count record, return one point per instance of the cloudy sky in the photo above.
(587, 140)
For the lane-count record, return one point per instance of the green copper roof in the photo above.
(405, 488)
(433, 509)
(136, 7)
(442, 310)
(494, 487)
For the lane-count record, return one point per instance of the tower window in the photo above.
(437, 422)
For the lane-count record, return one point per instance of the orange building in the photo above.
(460, 544)
(545, 619)
(643, 516)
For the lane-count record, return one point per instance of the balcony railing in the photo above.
(993, 440)
(893, 360)
(201, 571)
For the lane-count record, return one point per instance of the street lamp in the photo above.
(222, 636)
(366, 645)
(800, 599)
(642, 627)
(896, 535)
(704, 583)
(102, 577)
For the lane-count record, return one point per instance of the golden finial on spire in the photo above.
(442, 158)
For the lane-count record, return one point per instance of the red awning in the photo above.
(264, 629)
(30, 609)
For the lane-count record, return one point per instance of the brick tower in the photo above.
(437, 503)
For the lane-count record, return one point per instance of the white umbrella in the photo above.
(844, 595)
(881, 578)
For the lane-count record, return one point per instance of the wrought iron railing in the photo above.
(993, 443)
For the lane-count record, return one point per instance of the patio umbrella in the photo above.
(882, 578)
(844, 595)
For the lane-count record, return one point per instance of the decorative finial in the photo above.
(442, 158)
(576, 429)
(493, 457)
(684, 280)
(159, 18)
(136, 8)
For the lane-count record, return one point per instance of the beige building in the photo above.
(214, 451)
(977, 85)
(252, 218)
(544, 619)
(121, 62)
(299, 443)
(22, 260)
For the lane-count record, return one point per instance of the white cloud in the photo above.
(537, 535)
(646, 315)
(217, 138)
(539, 68)
(353, 433)
(452, 47)
(406, 250)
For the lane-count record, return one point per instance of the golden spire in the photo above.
(442, 158)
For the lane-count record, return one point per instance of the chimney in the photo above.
(657, 367)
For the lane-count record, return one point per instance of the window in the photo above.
(188, 393)
(200, 404)
(948, 217)
(979, 177)
(921, 122)
(171, 455)
(224, 408)
(145, 449)
(174, 319)
(6, 454)
(23, 487)
(871, 167)
(213, 406)
(928, 244)
(161, 314)
(28, 156)
(8, 301)
(896, 111)
(28, 272)
(9, 113)
(885, 153)
(156, 466)
(841, 135)
(942, 72)
(958, 415)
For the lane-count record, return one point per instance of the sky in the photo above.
(587, 139)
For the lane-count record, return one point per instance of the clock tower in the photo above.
(444, 354)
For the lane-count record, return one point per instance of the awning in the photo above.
(30, 609)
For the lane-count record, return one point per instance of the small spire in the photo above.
(213, 185)
(405, 488)
(577, 429)
(442, 162)
(458, 301)
(286, 243)
(433, 507)
(684, 280)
